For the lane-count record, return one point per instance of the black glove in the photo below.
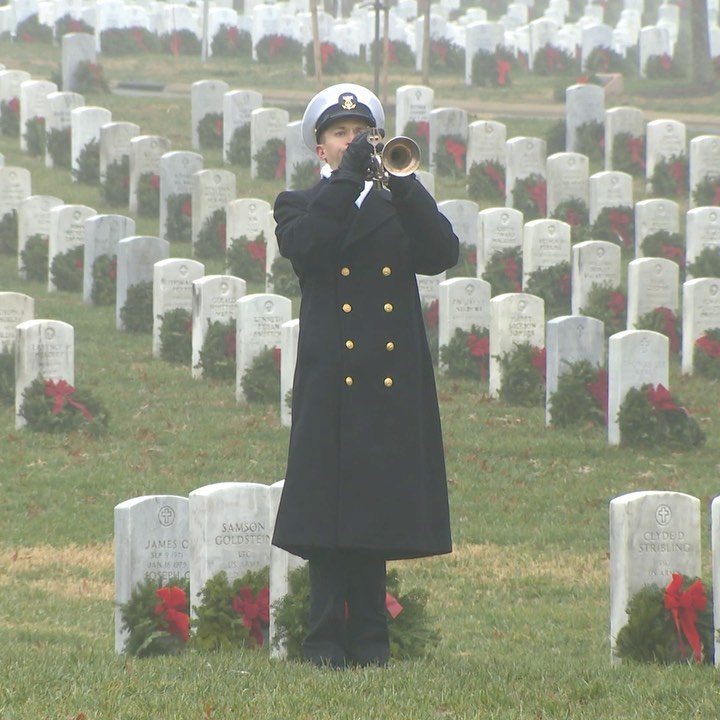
(356, 159)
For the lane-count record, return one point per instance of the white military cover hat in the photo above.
(337, 101)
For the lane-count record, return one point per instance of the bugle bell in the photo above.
(399, 157)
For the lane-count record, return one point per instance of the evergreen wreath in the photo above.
(305, 174)
(576, 214)
(628, 154)
(609, 305)
(90, 78)
(210, 131)
(270, 160)
(31, 30)
(261, 381)
(231, 42)
(239, 147)
(399, 54)
(706, 354)
(706, 263)
(664, 244)
(504, 271)
(333, 60)
(7, 375)
(68, 24)
(530, 196)
(492, 69)
(234, 614)
(466, 265)
(57, 407)
(9, 233)
(663, 67)
(88, 170)
(664, 321)
(707, 192)
(419, 131)
(176, 336)
(104, 275)
(590, 140)
(486, 182)
(523, 375)
(10, 117)
(148, 195)
(283, 279)
(446, 56)
(450, 155)
(246, 258)
(410, 628)
(66, 269)
(35, 257)
(127, 41)
(651, 417)
(210, 241)
(552, 284)
(670, 177)
(136, 314)
(35, 136)
(467, 355)
(180, 42)
(217, 356)
(652, 632)
(550, 60)
(604, 60)
(178, 219)
(59, 147)
(617, 225)
(273, 49)
(431, 320)
(581, 397)
(116, 184)
(157, 617)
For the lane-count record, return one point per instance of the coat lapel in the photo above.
(376, 210)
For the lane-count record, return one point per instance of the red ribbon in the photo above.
(327, 50)
(661, 398)
(423, 129)
(677, 170)
(492, 172)
(708, 346)
(666, 62)
(552, 57)
(257, 250)
(175, 44)
(511, 271)
(502, 68)
(684, 607)
(62, 393)
(218, 128)
(716, 195)
(668, 321)
(619, 222)
(277, 43)
(254, 611)
(432, 314)
(598, 388)
(137, 36)
(276, 353)
(457, 150)
(232, 35)
(173, 602)
(112, 270)
(440, 50)
(539, 361)
(154, 181)
(538, 194)
(572, 218)
(479, 348)
(14, 105)
(280, 168)
(186, 208)
(230, 346)
(392, 605)
(616, 304)
(635, 146)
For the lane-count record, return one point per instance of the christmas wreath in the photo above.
(446, 56)
(233, 614)
(664, 321)
(467, 355)
(628, 154)
(239, 147)
(607, 304)
(210, 241)
(504, 271)
(272, 49)
(35, 136)
(180, 42)
(663, 67)
(88, 169)
(136, 314)
(604, 60)
(664, 244)
(148, 194)
(449, 156)
(283, 279)
(399, 54)
(304, 175)
(127, 41)
(178, 220)
(231, 42)
(492, 69)
(575, 213)
(246, 258)
(31, 30)
(66, 269)
(523, 375)
(10, 117)
(466, 265)
(486, 182)
(616, 224)
(9, 233)
(706, 354)
(261, 381)
(590, 140)
(210, 131)
(550, 60)
(59, 147)
(670, 177)
(670, 625)
(649, 416)
(270, 160)
(51, 406)
(333, 60)
(419, 131)
(7, 376)
(410, 628)
(90, 78)
(552, 284)
(707, 192)
(157, 617)
(34, 257)
(581, 397)
(706, 263)
(431, 320)
(217, 355)
(68, 24)
(530, 196)
(176, 336)
(104, 275)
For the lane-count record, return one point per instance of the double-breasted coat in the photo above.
(365, 467)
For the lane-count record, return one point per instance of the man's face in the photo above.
(336, 137)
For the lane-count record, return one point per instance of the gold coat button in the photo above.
(347, 307)
(387, 307)
(345, 271)
(390, 346)
(349, 344)
(348, 381)
(388, 382)
(386, 271)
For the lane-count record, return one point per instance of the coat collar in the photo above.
(377, 209)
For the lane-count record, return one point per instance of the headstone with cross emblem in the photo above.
(700, 313)
(653, 534)
(652, 283)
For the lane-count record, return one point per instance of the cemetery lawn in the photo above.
(521, 604)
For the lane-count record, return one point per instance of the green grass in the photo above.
(522, 603)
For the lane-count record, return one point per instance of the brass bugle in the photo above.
(399, 157)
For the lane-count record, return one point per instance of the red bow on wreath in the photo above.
(257, 250)
(62, 393)
(280, 167)
(492, 172)
(502, 68)
(423, 130)
(619, 222)
(677, 170)
(635, 147)
(661, 398)
(708, 346)
(173, 602)
(538, 194)
(254, 611)
(457, 150)
(684, 607)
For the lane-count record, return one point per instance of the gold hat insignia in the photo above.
(348, 102)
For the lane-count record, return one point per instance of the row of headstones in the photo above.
(654, 534)
(225, 526)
